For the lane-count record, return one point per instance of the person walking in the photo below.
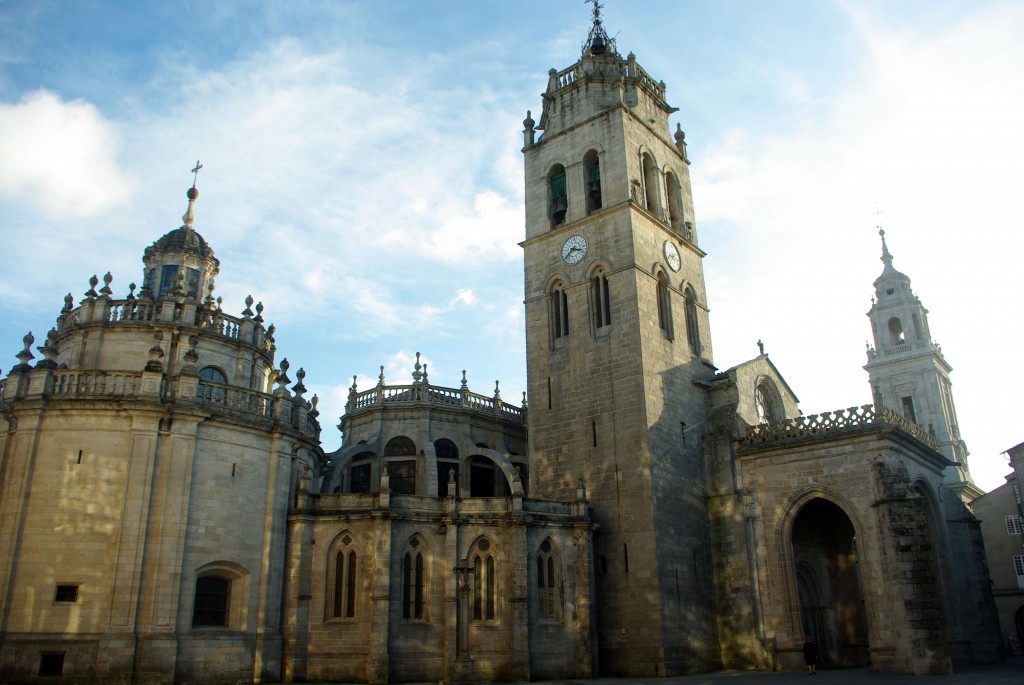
(811, 655)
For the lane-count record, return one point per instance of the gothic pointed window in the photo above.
(592, 176)
(549, 583)
(483, 584)
(600, 299)
(343, 585)
(559, 312)
(664, 306)
(692, 327)
(413, 581)
(558, 192)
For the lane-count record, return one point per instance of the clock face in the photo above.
(672, 256)
(574, 249)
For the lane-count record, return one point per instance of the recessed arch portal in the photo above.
(828, 583)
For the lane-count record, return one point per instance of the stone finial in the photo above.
(131, 293)
(353, 390)
(105, 291)
(380, 378)
(524, 399)
(299, 388)
(156, 352)
(529, 133)
(417, 375)
(426, 380)
(497, 392)
(192, 356)
(247, 312)
(220, 301)
(760, 347)
(91, 292)
(270, 332)
(188, 219)
(69, 304)
(259, 313)
(465, 383)
(680, 137)
(452, 485)
(282, 376)
(314, 412)
(49, 351)
(25, 356)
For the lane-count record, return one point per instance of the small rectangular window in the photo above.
(1018, 565)
(66, 593)
(1012, 524)
(908, 409)
(51, 664)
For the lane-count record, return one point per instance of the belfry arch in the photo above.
(824, 547)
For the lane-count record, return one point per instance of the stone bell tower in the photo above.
(619, 352)
(908, 373)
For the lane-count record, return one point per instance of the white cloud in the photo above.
(60, 156)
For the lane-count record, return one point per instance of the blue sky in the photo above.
(363, 177)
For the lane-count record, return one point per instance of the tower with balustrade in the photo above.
(619, 351)
(148, 463)
(908, 373)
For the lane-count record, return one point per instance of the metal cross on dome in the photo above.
(195, 172)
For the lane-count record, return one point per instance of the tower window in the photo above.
(602, 305)
(592, 169)
(359, 475)
(559, 312)
(559, 204)
(675, 201)
(664, 307)
(896, 332)
(692, 329)
(651, 175)
(908, 409)
(168, 277)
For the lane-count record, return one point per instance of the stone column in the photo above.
(380, 595)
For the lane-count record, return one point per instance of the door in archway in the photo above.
(828, 583)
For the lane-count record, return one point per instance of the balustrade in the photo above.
(94, 383)
(429, 394)
(818, 424)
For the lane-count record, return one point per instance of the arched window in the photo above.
(766, 401)
(559, 194)
(400, 446)
(664, 306)
(559, 312)
(592, 176)
(600, 299)
(549, 583)
(343, 587)
(447, 465)
(483, 594)
(210, 394)
(413, 582)
(896, 332)
(651, 175)
(692, 328)
(675, 201)
(211, 602)
(360, 472)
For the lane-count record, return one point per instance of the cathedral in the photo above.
(168, 514)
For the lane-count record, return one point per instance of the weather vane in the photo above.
(598, 41)
(195, 172)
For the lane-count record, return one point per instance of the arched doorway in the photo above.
(828, 584)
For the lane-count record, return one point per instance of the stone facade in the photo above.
(167, 513)
(1001, 512)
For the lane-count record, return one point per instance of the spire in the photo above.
(190, 217)
(598, 41)
(886, 257)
